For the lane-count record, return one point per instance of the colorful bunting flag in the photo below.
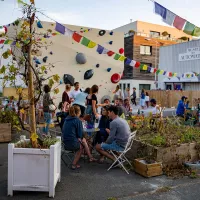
(152, 70)
(105, 51)
(145, 67)
(175, 74)
(189, 28)
(127, 61)
(196, 32)
(68, 32)
(60, 28)
(170, 74)
(2, 41)
(110, 53)
(132, 64)
(117, 56)
(100, 49)
(8, 42)
(85, 41)
(170, 16)
(122, 58)
(158, 71)
(155, 70)
(141, 67)
(161, 72)
(160, 10)
(91, 44)
(164, 73)
(77, 37)
(179, 22)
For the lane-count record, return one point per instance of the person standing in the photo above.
(66, 100)
(117, 93)
(75, 91)
(180, 111)
(147, 99)
(47, 101)
(127, 93)
(134, 96)
(142, 99)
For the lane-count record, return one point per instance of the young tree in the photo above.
(26, 42)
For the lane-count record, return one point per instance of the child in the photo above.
(147, 99)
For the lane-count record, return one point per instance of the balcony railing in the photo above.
(153, 36)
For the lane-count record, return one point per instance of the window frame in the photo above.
(145, 52)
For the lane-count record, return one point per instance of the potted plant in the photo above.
(131, 32)
(184, 38)
(34, 163)
(165, 33)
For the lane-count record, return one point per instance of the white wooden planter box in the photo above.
(34, 169)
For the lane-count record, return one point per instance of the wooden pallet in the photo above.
(148, 170)
(5, 132)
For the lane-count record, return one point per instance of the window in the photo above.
(145, 50)
(144, 86)
(154, 34)
(146, 71)
(128, 85)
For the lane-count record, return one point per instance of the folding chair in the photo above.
(120, 156)
(176, 119)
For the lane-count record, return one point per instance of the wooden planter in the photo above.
(34, 169)
(169, 156)
(147, 170)
(5, 132)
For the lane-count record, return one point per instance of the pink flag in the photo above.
(179, 22)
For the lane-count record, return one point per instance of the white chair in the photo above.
(176, 119)
(120, 156)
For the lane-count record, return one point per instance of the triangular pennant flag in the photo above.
(164, 73)
(18, 45)
(160, 10)
(152, 70)
(77, 37)
(91, 44)
(85, 41)
(175, 74)
(2, 41)
(189, 28)
(100, 49)
(117, 56)
(145, 67)
(132, 64)
(170, 74)
(13, 43)
(127, 61)
(155, 70)
(170, 16)
(8, 42)
(158, 71)
(68, 32)
(60, 28)
(196, 32)
(122, 58)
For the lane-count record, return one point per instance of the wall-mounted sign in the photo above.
(192, 54)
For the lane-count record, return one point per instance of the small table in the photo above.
(91, 134)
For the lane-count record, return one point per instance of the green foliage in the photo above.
(9, 116)
(158, 141)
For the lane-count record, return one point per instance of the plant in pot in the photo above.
(165, 33)
(131, 32)
(34, 163)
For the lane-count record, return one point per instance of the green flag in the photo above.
(85, 41)
(196, 32)
(189, 28)
(117, 56)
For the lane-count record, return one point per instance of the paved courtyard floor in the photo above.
(93, 182)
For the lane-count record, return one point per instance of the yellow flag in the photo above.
(175, 74)
(145, 67)
(161, 71)
(18, 45)
(122, 58)
(91, 44)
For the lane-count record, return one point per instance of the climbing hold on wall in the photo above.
(80, 58)
(115, 78)
(39, 25)
(37, 62)
(109, 69)
(51, 52)
(121, 50)
(68, 79)
(102, 32)
(111, 42)
(97, 65)
(88, 74)
(111, 32)
(45, 59)
(61, 81)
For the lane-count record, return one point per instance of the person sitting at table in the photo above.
(127, 105)
(72, 133)
(154, 107)
(102, 134)
(119, 134)
(180, 111)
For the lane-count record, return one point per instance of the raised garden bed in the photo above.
(5, 132)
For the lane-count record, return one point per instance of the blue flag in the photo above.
(160, 10)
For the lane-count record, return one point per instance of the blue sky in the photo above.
(107, 14)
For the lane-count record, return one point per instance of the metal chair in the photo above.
(120, 156)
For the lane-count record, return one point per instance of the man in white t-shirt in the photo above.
(76, 90)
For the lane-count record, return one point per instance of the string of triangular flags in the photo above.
(102, 50)
(178, 22)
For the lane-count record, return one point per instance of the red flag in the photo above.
(179, 22)
(170, 74)
(110, 53)
(155, 70)
(2, 41)
(77, 37)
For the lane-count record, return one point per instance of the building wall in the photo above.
(136, 84)
(169, 59)
(10, 91)
(65, 50)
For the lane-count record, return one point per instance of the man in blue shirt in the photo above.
(181, 107)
